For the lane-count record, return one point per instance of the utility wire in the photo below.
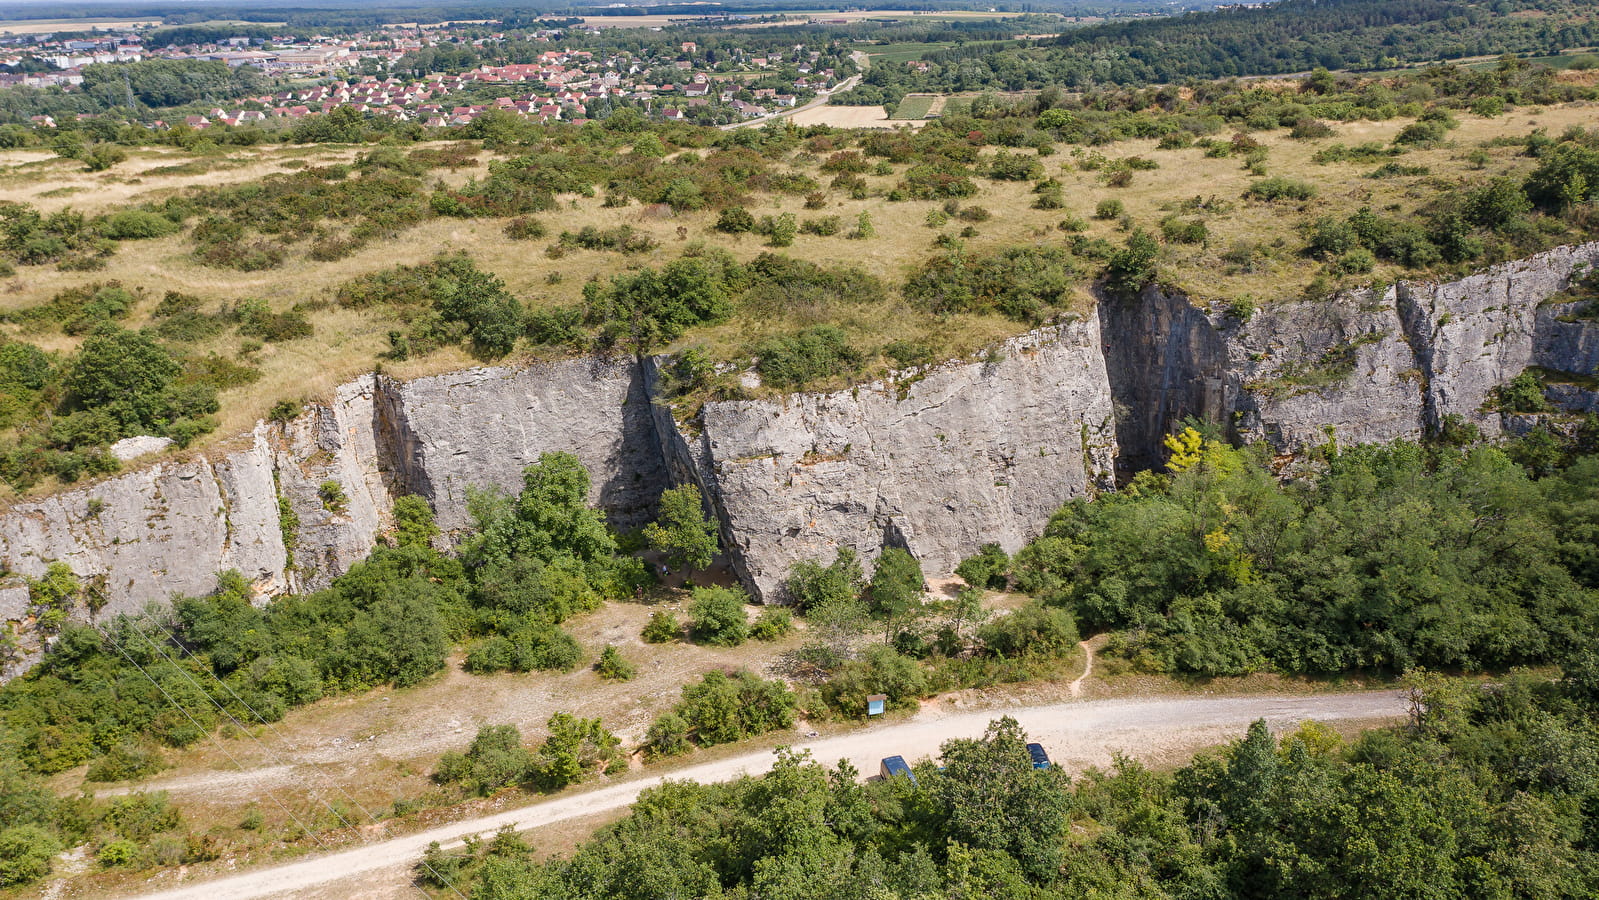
(264, 749)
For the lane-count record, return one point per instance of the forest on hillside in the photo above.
(1293, 36)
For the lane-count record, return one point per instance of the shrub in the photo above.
(1522, 394)
(1184, 231)
(1008, 166)
(881, 670)
(990, 568)
(525, 228)
(797, 359)
(1279, 188)
(103, 156)
(826, 226)
(1107, 210)
(496, 759)
(332, 495)
(1310, 129)
(1133, 266)
(811, 584)
(1033, 630)
(622, 239)
(1420, 134)
(25, 854)
(722, 708)
(667, 736)
(773, 623)
(781, 231)
(125, 762)
(612, 667)
(718, 615)
(662, 627)
(136, 224)
(1358, 261)
(1022, 283)
(574, 750)
(537, 645)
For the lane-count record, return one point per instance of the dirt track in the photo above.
(1076, 734)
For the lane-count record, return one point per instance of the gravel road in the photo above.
(1076, 734)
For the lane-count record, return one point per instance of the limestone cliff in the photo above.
(484, 426)
(1354, 368)
(938, 462)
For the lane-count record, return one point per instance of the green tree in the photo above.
(718, 615)
(496, 759)
(575, 748)
(613, 667)
(811, 584)
(1133, 266)
(991, 798)
(682, 531)
(880, 670)
(989, 569)
(25, 853)
(662, 628)
(897, 588)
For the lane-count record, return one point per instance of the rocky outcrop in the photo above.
(327, 480)
(148, 534)
(1475, 334)
(938, 462)
(1356, 368)
(482, 427)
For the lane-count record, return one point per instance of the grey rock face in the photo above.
(129, 449)
(482, 427)
(148, 534)
(1294, 375)
(1307, 373)
(1475, 334)
(938, 463)
(171, 528)
(1355, 368)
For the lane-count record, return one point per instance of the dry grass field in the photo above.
(47, 26)
(348, 342)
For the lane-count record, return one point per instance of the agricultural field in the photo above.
(899, 54)
(46, 26)
(917, 106)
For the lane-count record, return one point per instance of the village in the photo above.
(326, 73)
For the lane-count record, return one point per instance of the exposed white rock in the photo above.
(939, 462)
(131, 448)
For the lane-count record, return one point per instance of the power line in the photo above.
(262, 719)
(179, 707)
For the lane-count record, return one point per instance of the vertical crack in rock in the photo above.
(939, 460)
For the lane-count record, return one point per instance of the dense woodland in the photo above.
(1486, 792)
(1293, 36)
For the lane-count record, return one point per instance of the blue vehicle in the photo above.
(895, 765)
(1040, 758)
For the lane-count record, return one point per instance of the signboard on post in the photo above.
(875, 704)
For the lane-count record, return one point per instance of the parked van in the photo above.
(895, 765)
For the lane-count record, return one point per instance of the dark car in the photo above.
(895, 765)
(1040, 758)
